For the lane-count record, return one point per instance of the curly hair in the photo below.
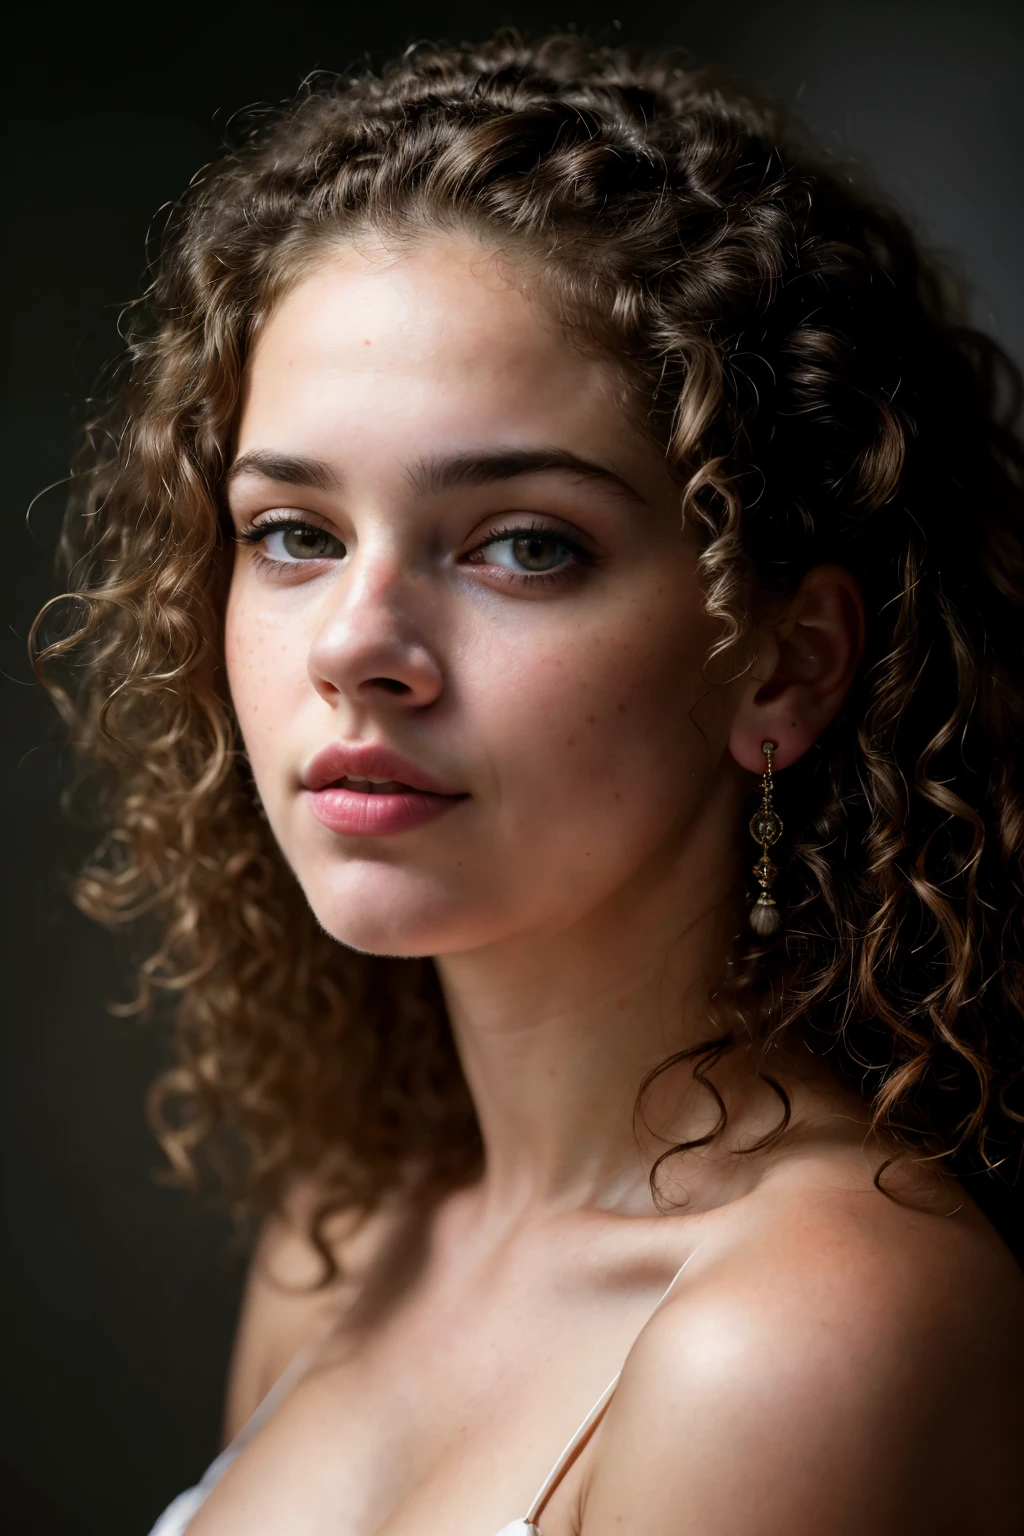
(808, 373)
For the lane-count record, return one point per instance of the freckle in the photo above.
(618, 797)
(623, 708)
(570, 741)
(591, 719)
(366, 343)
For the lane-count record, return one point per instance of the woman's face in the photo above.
(461, 571)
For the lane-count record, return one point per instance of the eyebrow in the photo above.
(430, 477)
(285, 468)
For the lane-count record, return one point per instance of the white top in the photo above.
(177, 1515)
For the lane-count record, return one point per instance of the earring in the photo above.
(766, 829)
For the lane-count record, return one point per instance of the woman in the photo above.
(545, 492)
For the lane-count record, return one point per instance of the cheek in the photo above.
(265, 661)
(610, 721)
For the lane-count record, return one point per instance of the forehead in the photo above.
(446, 336)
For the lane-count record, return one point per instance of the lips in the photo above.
(369, 791)
(364, 760)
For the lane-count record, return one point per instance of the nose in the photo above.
(370, 646)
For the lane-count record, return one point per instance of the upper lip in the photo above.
(365, 760)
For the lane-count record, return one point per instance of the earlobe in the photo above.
(803, 669)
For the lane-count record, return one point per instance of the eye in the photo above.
(302, 542)
(529, 550)
(287, 543)
(536, 551)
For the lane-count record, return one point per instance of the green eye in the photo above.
(536, 552)
(301, 541)
(309, 544)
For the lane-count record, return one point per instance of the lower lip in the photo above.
(368, 815)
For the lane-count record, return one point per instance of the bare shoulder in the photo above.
(286, 1303)
(836, 1361)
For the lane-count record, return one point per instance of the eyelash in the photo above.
(256, 533)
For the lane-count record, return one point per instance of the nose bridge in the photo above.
(371, 586)
(371, 635)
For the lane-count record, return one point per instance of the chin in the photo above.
(369, 938)
(380, 912)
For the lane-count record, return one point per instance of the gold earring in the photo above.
(766, 829)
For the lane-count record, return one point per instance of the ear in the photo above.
(804, 666)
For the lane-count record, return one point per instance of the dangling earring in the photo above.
(766, 829)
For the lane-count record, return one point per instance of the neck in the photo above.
(556, 1032)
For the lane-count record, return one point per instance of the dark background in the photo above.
(120, 1295)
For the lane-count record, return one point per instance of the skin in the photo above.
(830, 1359)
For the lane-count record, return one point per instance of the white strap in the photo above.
(571, 1451)
(589, 1424)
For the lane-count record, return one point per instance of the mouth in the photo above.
(372, 786)
(368, 768)
(364, 790)
(354, 807)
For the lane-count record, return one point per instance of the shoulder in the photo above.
(843, 1364)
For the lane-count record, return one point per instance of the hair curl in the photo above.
(809, 375)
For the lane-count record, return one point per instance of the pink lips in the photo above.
(355, 810)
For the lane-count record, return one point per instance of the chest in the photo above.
(437, 1421)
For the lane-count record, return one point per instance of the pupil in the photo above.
(537, 552)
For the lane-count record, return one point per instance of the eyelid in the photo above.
(513, 521)
(270, 516)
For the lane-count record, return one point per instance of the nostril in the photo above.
(389, 684)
